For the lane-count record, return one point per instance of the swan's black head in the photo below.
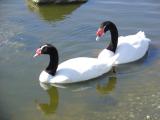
(53, 53)
(104, 27)
(109, 26)
(45, 49)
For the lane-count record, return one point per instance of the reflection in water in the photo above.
(102, 88)
(49, 108)
(52, 12)
(108, 87)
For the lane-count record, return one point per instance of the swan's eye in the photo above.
(44, 50)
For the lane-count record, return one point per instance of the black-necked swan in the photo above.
(73, 70)
(130, 48)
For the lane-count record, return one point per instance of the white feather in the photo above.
(130, 48)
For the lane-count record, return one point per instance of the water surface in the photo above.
(133, 93)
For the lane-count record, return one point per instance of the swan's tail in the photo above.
(142, 35)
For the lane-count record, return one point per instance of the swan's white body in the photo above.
(77, 70)
(130, 48)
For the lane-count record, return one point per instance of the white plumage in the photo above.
(130, 48)
(78, 69)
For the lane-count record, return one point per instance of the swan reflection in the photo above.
(52, 91)
(51, 106)
(107, 87)
(102, 88)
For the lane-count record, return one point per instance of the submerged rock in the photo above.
(58, 1)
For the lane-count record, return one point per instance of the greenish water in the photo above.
(133, 93)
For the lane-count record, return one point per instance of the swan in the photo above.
(130, 48)
(72, 70)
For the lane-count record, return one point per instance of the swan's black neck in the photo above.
(114, 35)
(53, 64)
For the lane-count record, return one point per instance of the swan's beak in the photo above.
(38, 52)
(35, 55)
(97, 38)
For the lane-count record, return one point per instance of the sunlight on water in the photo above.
(130, 94)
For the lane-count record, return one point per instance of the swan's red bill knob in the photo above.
(99, 33)
(38, 52)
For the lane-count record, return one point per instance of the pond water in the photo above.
(133, 93)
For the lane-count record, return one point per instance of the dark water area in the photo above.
(133, 93)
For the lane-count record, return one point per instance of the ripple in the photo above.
(7, 31)
(133, 95)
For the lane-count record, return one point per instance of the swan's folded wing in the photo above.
(80, 69)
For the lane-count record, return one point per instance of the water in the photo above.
(133, 93)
